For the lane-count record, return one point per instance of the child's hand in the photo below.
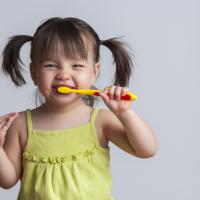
(5, 122)
(112, 98)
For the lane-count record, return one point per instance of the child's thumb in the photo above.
(104, 97)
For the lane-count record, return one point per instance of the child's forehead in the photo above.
(58, 53)
(62, 58)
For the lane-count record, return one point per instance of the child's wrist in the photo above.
(124, 114)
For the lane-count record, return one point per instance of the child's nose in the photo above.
(63, 74)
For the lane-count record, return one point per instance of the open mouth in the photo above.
(57, 86)
(55, 89)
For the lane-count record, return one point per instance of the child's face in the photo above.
(54, 72)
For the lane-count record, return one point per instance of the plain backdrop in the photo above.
(164, 38)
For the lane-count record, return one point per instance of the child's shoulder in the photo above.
(17, 130)
(104, 114)
(106, 119)
(20, 127)
(102, 123)
(19, 121)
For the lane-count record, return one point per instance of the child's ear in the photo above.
(96, 71)
(33, 73)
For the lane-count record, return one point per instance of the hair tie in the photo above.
(101, 42)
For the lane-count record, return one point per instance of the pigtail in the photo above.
(122, 59)
(11, 64)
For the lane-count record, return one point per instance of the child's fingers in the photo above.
(8, 115)
(2, 124)
(106, 90)
(104, 97)
(118, 92)
(5, 124)
(124, 90)
(5, 127)
(111, 91)
(4, 116)
(115, 92)
(3, 120)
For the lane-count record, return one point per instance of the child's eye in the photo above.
(50, 65)
(78, 66)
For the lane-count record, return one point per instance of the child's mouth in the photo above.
(55, 89)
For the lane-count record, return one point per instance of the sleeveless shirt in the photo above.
(65, 164)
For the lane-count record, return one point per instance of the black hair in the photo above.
(69, 33)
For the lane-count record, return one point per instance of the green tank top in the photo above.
(65, 164)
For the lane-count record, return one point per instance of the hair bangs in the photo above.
(61, 39)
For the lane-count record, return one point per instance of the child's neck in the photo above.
(49, 108)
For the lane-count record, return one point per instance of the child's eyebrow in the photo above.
(48, 60)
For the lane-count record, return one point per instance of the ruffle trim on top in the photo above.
(59, 160)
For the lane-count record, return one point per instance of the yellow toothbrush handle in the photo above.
(81, 91)
(89, 92)
(129, 96)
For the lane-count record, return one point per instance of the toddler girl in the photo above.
(59, 150)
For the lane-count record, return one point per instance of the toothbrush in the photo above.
(64, 89)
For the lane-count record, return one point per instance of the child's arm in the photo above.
(130, 133)
(124, 127)
(10, 152)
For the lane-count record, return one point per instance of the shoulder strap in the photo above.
(29, 120)
(94, 114)
(93, 131)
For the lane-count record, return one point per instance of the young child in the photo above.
(60, 150)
